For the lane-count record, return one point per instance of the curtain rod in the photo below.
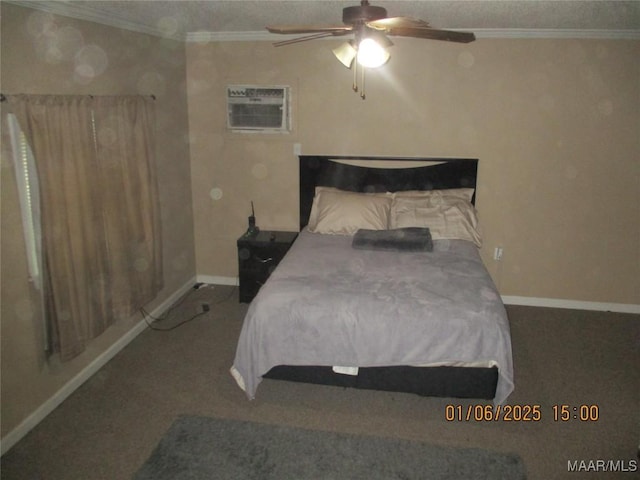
(3, 97)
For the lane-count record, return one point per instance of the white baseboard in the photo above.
(215, 280)
(48, 406)
(571, 304)
(507, 299)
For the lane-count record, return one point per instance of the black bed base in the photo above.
(457, 382)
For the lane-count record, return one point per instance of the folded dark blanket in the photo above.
(410, 239)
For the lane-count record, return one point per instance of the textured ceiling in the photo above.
(180, 18)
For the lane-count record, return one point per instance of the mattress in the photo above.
(328, 304)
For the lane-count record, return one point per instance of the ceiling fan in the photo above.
(370, 26)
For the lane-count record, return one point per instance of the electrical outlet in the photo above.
(497, 253)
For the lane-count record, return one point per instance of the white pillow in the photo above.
(447, 217)
(463, 193)
(338, 212)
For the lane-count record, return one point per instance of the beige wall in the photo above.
(125, 63)
(554, 123)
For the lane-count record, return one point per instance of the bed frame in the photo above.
(434, 173)
(367, 176)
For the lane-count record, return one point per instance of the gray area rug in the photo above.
(210, 448)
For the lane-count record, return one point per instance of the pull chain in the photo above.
(355, 77)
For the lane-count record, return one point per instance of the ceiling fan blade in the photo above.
(432, 34)
(308, 37)
(301, 29)
(397, 22)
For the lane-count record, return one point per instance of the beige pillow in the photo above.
(447, 217)
(313, 215)
(338, 212)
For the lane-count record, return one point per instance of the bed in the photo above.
(403, 317)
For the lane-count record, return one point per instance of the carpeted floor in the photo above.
(110, 426)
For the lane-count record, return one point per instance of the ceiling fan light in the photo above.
(346, 53)
(371, 54)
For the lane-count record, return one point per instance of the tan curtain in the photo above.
(125, 147)
(100, 210)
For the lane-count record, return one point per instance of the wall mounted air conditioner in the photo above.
(262, 109)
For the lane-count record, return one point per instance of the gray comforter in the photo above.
(329, 304)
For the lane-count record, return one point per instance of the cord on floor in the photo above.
(146, 315)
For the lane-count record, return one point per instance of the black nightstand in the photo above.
(258, 257)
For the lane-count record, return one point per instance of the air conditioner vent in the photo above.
(252, 108)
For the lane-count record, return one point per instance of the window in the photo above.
(28, 191)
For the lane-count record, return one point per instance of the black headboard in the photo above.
(439, 173)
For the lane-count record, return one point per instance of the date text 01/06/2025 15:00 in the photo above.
(520, 413)
(534, 413)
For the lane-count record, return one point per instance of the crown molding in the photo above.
(558, 33)
(232, 37)
(85, 12)
(495, 33)
(91, 14)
